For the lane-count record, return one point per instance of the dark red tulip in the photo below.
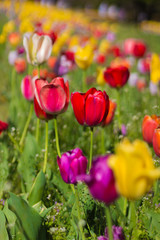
(116, 77)
(90, 108)
(3, 126)
(53, 97)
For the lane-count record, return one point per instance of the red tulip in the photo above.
(53, 97)
(110, 116)
(156, 141)
(90, 108)
(40, 113)
(3, 126)
(139, 49)
(27, 88)
(149, 124)
(116, 77)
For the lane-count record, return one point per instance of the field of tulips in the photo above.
(79, 126)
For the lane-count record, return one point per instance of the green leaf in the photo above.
(3, 231)
(3, 166)
(29, 221)
(41, 209)
(11, 219)
(27, 164)
(153, 224)
(37, 189)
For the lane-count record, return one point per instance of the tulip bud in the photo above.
(101, 180)
(156, 141)
(71, 165)
(27, 88)
(149, 124)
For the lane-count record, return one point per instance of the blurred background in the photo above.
(133, 10)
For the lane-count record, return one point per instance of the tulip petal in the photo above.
(39, 83)
(78, 102)
(26, 46)
(64, 167)
(44, 49)
(40, 113)
(95, 109)
(52, 99)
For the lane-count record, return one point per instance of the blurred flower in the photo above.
(133, 78)
(153, 88)
(100, 180)
(3, 126)
(156, 141)
(12, 56)
(38, 48)
(100, 76)
(43, 73)
(14, 38)
(123, 130)
(100, 58)
(90, 108)
(27, 88)
(110, 116)
(155, 68)
(141, 84)
(134, 162)
(20, 50)
(52, 97)
(84, 57)
(144, 65)
(149, 124)
(51, 62)
(71, 165)
(116, 77)
(134, 47)
(20, 65)
(117, 233)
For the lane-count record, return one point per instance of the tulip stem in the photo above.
(56, 136)
(75, 191)
(37, 130)
(109, 223)
(46, 149)
(118, 109)
(125, 205)
(102, 141)
(38, 69)
(14, 142)
(26, 125)
(13, 76)
(84, 81)
(91, 147)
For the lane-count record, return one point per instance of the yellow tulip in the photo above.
(133, 168)
(104, 46)
(84, 56)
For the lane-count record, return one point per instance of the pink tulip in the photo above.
(27, 88)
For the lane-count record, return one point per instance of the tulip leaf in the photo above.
(37, 189)
(29, 221)
(27, 163)
(41, 209)
(11, 219)
(3, 166)
(3, 230)
(153, 223)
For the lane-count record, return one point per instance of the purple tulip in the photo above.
(101, 180)
(117, 233)
(71, 165)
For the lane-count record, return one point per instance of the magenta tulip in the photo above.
(101, 181)
(71, 165)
